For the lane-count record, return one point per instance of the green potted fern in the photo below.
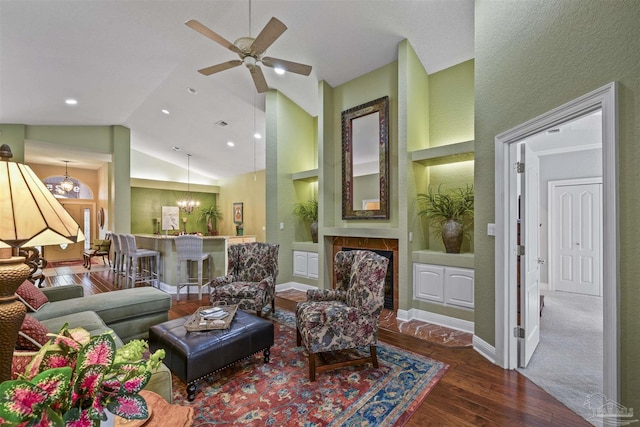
(307, 212)
(211, 215)
(448, 210)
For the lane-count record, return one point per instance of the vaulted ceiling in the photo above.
(125, 61)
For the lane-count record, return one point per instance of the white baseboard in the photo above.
(437, 319)
(281, 287)
(485, 349)
(294, 285)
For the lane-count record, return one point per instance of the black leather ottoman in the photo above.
(195, 355)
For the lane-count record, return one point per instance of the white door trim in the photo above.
(552, 186)
(604, 98)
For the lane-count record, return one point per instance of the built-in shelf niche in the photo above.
(444, 154)
(308, 175)
(463, 260)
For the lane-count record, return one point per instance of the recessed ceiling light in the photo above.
(257, 135)
(192, 91)
(71, 101)
(231, 144)
(174, 148)
(221, 123)
(279, 70)
(165, 111)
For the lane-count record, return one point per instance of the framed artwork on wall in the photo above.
(238, 214)
(170, 218)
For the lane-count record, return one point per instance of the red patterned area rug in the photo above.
(278, 393)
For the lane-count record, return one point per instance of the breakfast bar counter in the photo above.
(216, 246)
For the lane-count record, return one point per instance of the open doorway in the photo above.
(506, 149)
(568, 360)
(82, 214)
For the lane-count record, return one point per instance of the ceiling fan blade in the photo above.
(267, 36)
(220, 67)
(258, 78)
(293, 67)
(213, 36)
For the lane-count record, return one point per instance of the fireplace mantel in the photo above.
(379, 233)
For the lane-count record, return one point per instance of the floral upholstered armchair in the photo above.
(347, 316)
(251, 277)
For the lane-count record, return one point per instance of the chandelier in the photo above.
(67, 184)
(188, 204)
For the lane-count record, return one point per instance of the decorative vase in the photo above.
(314, 231)
(452, 236)
(239, 231)
(210, 226)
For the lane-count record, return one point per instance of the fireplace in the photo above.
(384, 247)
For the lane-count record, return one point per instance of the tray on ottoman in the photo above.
(192, 356)
(196, 323)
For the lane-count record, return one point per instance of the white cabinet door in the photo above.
(312, 265)
(305, 264)
(300, 264)
(447, 285)
(458, 286)
(428, 282)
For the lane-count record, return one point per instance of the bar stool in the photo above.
(124, 261)
(143, 265)
(189, 249)
(117, 254)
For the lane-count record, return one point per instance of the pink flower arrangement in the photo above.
(74, 378)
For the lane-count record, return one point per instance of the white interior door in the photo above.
(576, 224)
(530, 268)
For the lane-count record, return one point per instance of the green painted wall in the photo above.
(146, 208)
(451, 96)
(373, 85)
(250, 190)
(14, 136)
(413, 134)
(291, 147)
(530, 58)
(114, 191)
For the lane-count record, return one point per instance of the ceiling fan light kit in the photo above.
(251, 53)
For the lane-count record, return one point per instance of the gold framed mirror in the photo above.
(365, 161)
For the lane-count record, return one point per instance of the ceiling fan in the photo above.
(251, 52)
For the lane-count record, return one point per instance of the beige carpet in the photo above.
(568, 362)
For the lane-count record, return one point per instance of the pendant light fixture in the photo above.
(67, 184)
(188, 204)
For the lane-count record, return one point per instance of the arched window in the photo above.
(80, 189)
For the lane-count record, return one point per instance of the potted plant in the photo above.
(448, 210)
(307, 212)
(211, 215)
(74, 378)
(239, 228)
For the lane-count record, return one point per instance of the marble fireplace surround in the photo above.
(370, 243)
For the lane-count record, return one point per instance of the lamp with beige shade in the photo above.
(29, 216)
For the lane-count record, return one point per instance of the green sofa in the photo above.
(129, 313)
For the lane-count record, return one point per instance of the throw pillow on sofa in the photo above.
(31, 296)
(32, 334)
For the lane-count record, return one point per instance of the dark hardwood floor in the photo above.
(474, 392)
